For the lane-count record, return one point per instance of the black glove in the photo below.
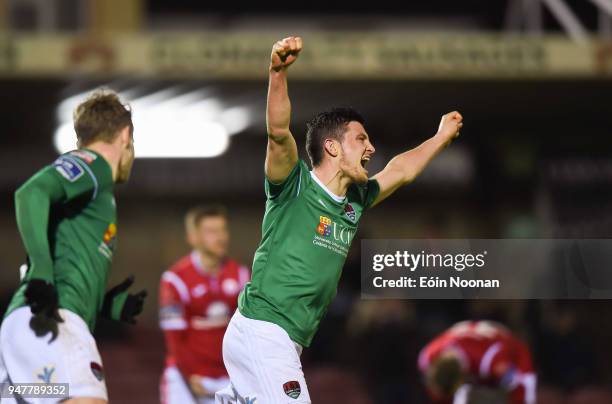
(42, 298)
(122, 306)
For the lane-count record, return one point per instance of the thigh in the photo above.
(71, 358)
(264, 363)
(5, 381)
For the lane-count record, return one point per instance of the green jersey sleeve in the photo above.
(76, 177)
(289, 188)
(66, 179)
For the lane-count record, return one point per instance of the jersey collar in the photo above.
(339, 199)
(105, 168)
(196, 261)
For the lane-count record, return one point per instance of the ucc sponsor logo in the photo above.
(332, 230)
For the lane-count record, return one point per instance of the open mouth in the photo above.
(365, 161)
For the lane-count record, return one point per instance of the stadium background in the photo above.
(532, 161)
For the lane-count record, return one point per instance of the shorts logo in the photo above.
(349, 212)
(292, 389)
(46, 374)
(68, 168)
(97, 370)
(324, 228)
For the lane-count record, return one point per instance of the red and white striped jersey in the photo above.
(195, 308)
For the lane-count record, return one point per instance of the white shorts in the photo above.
(263, 364)
(71, 358)
(174, 389)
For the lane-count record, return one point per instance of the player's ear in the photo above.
(125, 136)
(331, 147)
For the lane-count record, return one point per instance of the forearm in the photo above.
(32, 206)
(33, 201)
(278, 114)
(412, 162)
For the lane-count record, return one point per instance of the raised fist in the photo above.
(285, 52)
(450, 124)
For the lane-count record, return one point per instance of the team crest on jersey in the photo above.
(97, 370)
(324, 228)
(292, 389)
(68, 168)
(350, 212)
(84, 155)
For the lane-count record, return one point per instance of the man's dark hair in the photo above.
(325, 125)
(100, 117)
(446, 374)
(196, 214)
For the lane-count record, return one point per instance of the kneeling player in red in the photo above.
(478, 353)
(197, 297)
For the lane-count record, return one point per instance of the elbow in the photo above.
(278, 135)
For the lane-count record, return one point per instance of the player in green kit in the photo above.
(66, 216)
(310, 220)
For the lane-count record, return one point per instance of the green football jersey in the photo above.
(306, 235)
(66, 215)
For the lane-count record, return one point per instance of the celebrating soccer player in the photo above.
(67, 220)
(197, 297)
(478, 353)
(310, 221)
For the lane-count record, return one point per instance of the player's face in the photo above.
(356, 153)
(127, 157)
(212, 236)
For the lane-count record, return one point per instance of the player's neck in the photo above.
(332, 178)
(210, 265)
(109, 152)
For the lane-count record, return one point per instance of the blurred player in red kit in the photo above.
(198, 296)
(478, 353)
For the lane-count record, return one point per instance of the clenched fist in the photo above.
(450, 125)
(285, 52)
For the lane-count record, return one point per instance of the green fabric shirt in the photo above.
(66, 216)
(306, 235)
